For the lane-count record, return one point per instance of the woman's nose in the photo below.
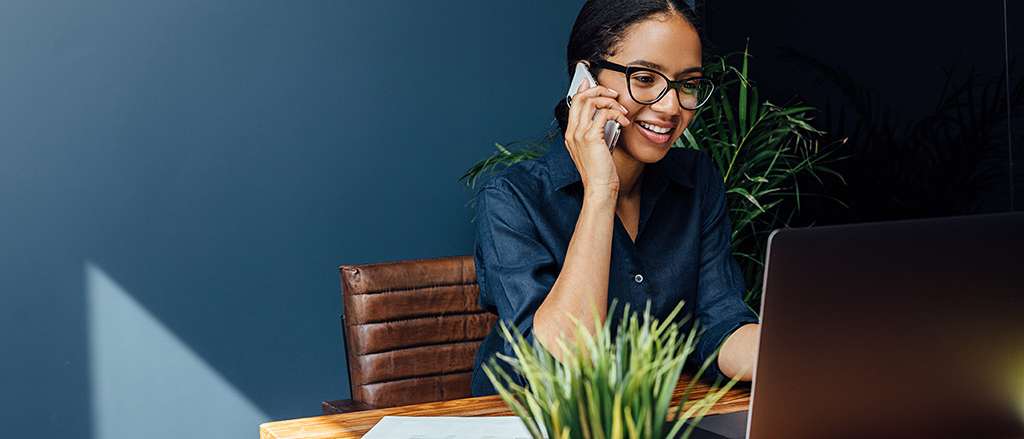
(669, 103)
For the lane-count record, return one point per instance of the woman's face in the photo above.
(668, 44)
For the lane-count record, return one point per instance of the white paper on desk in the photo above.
(411, 427)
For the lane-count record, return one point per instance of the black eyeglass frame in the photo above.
(628, 70)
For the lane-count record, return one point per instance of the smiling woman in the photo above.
(562, 236)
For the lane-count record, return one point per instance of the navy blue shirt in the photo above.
(526, 216)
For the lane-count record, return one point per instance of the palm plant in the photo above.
(763, 152)
(605, 387)
(950, 161)
(766, 153)
(506, 155)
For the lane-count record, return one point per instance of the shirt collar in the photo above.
(563, 170)
(671, 168)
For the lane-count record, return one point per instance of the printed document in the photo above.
(411, 427)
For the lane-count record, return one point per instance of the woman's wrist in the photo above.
(600, 193)
(739, 352)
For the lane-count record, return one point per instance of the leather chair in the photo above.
(411, 331)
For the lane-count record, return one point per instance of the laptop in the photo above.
(909, 329)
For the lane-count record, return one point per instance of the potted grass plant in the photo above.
(606, 386)
(766, 153)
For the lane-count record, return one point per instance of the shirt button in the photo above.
(638, 278)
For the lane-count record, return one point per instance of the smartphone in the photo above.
(612, 128)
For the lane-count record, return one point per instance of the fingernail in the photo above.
(613, 92)
(624, 110)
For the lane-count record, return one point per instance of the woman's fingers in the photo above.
(596, 107)
(588, 106)
(593, 133)
(604, 111)
(583, 96)
(591, 109)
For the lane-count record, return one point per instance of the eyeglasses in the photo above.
(647, 86)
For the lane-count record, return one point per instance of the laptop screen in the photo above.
(900, 329)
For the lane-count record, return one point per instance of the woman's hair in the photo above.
(601, 25)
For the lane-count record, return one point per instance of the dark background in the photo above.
(217, 160)
(918, 152)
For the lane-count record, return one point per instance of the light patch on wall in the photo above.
(146, 382)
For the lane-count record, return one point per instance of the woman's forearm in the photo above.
(736, 358)
(581, 289)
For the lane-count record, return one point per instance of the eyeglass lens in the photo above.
(647, 87)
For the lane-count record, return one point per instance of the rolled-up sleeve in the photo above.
(525, 220)
(515, 269)
(720, 287)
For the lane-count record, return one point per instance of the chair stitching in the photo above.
(425, 345)
(433, 375)
(399, 290)
(451, 314)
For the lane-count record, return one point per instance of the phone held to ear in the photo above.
(612, 128)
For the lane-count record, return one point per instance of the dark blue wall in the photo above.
(219, 159)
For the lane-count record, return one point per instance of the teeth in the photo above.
(656, 129)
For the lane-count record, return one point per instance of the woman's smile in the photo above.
(666, 44)
(656, 133)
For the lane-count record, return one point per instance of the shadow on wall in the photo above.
(139, 369)
(218, 162)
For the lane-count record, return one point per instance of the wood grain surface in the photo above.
(355, 425)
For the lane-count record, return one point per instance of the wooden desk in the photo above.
(355, 425)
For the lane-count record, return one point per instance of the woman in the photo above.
(579, 227)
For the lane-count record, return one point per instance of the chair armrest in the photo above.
(344, 406)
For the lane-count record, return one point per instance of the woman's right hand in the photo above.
(584, 135)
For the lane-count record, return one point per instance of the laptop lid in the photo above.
(899, 329)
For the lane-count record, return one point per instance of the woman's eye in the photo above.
(644, 80)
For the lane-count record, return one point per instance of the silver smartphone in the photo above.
(612, 128)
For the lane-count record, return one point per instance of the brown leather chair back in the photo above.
(412, 329)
